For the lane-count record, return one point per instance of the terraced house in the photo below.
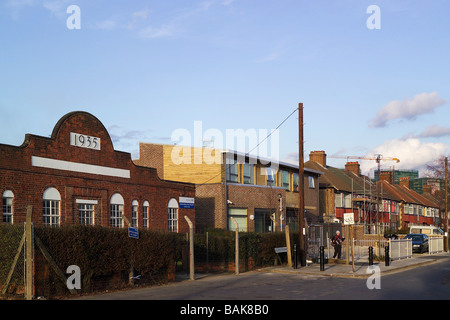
(379, 206)
(233, 185)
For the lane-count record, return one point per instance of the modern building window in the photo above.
(134, 213)
(285, 179)
(8, 197)
(145, 214)
(232, 171)
(240, 215)
(248, 172)
(271, 177)
(116, 210)
(173, 215)
(51, 207)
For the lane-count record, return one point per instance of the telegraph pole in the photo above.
(301, 203)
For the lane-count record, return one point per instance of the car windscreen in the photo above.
(414, 237)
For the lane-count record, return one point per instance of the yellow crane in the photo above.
(378, 158)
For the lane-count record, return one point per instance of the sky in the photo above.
(372, 80)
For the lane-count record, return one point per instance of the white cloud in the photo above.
(413, 154)
(434, 131)
(408, 109)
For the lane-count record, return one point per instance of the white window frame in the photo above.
(116, 211)
(51, 207)
(145, 217)
(134, 214)
(8, 207)
(173, 215)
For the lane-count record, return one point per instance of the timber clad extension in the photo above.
(76, 177)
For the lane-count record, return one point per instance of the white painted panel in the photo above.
(86, 201)
(79, 167)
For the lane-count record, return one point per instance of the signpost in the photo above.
(133, 233)
(186, 203)
(349, 221)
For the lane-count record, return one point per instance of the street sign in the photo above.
(281, 250)
(133, 233)
(186, 203)
(349, 218)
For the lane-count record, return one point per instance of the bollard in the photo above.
(386, 256)
(295, 256)
(322, 258)
(370, 256)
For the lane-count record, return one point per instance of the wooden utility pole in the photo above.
(29, 245)
(191, 247)
(301, 203)
(288, 245)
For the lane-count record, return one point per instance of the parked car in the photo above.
(419, 242)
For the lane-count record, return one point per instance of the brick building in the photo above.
(381, 204)
(76, 177)
(232, 185)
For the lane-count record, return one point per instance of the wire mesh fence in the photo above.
(12, 261)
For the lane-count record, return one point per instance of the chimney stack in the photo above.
(404, 181)
(353, 167)
(319, 157)
(387, 176)
(426, 189)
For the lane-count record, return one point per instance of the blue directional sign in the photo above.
(133, 233)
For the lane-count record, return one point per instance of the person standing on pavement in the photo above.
(336, 242)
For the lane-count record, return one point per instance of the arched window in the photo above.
(116, 210)
(173, 215)
(145, 214)
(134, 213)
(51, 207)
(8, 197)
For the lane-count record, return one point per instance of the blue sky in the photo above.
(147, 68)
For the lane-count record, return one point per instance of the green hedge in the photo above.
(103, 252)
(106, 254)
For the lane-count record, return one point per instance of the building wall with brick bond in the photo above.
(28, 182)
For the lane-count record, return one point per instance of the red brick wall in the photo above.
(28, 182)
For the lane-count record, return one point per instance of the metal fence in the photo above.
(400, 249)
(12, 261)
(435, 244)
(361, 247)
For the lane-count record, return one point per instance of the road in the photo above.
(428, 282)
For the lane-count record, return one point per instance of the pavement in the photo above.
(360, 269)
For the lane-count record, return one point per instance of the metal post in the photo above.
(236, 258)
(322, 258)
(191, 248)
(295, 256)
(446, 206)
(370, 256)
(301, 204)
(386, 256)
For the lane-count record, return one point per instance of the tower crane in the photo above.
(378, 158)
